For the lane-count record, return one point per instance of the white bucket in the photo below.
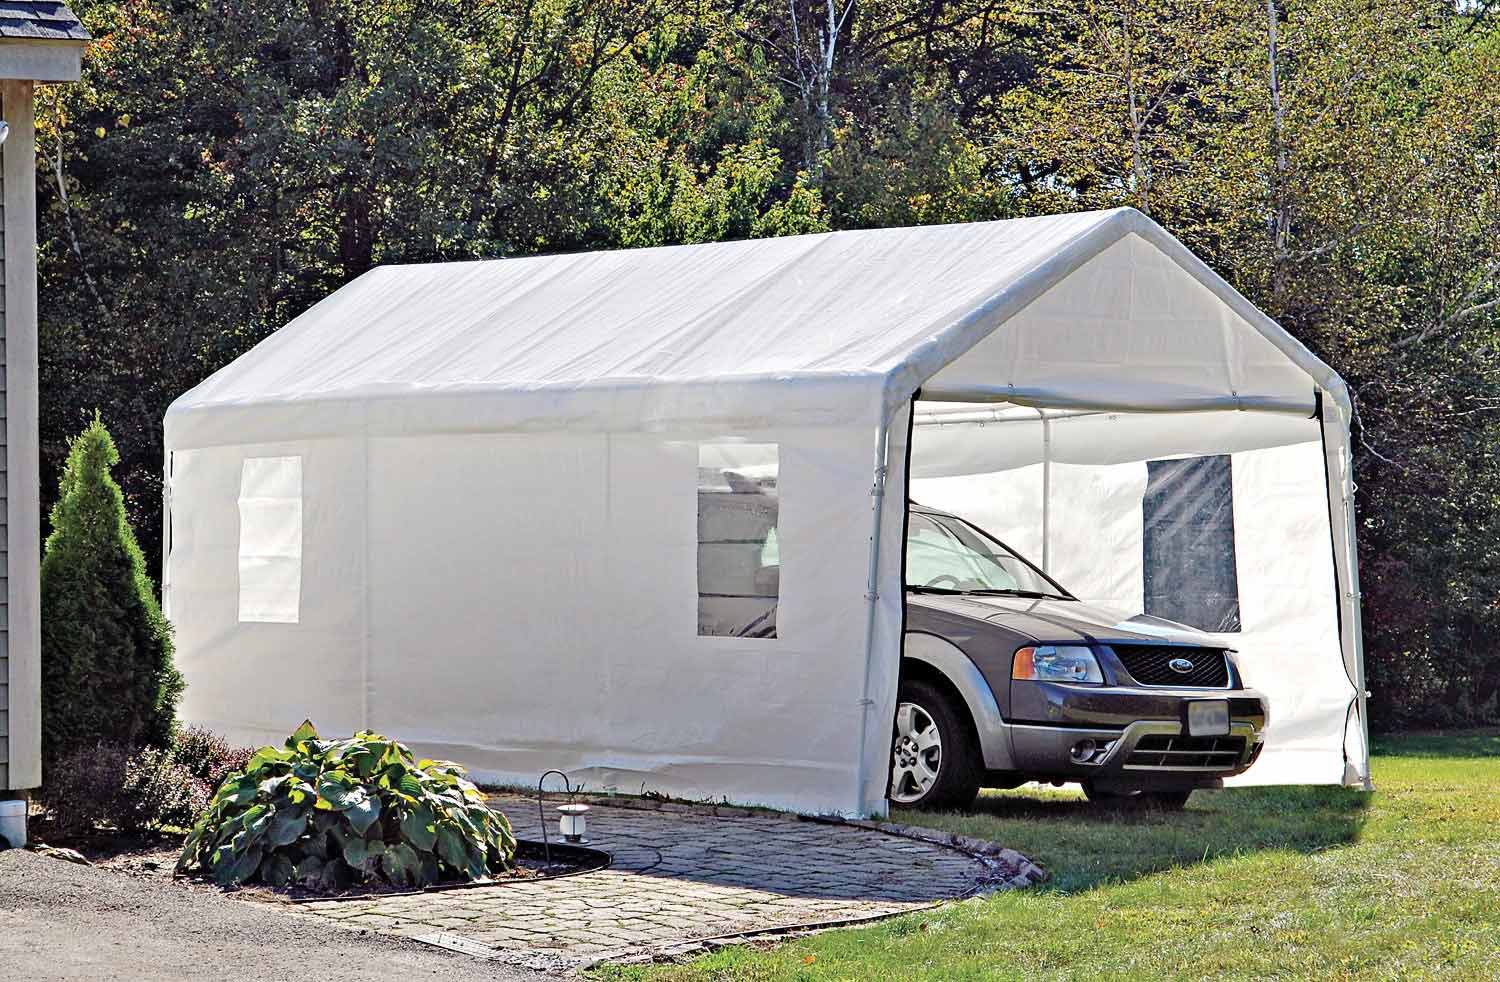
(13, 822)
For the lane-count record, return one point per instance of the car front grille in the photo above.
(1162, 751)
(1151, 664)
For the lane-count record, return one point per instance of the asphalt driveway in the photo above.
(61, 921)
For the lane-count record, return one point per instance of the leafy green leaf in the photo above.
(337, 875)
(362, 814)
(256, 819)
(287, 826)
(238, 792)
(417, 827)
(401, 865)
(355, 853)
(277, 870)
(309, 870)
(266, 757)
(304, 732)
(454, 848)
(272, 786)
(238, 868)
(339, 794)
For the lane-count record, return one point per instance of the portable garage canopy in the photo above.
(639, 514)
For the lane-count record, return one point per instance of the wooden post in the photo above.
(22, 463)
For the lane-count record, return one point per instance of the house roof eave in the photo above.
(41, 59)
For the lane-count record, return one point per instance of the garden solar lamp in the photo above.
(571, 822)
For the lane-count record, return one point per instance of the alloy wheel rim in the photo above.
(916, 754)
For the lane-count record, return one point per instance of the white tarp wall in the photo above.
(521, 512)
(1074, 490)
(523, 602)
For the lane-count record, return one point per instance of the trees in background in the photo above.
(224, 166)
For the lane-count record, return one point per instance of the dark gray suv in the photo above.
(1008, 678)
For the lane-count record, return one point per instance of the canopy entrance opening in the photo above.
(1218, 520)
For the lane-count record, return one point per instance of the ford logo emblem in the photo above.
(1180, 665)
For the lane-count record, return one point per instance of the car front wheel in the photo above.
(934, 763)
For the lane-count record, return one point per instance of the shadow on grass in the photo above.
(1083, 845)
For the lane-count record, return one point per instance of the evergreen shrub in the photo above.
(107, 672)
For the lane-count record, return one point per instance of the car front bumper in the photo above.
(1139, 735)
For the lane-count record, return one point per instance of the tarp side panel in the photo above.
(1340, 476)
(886, 643)
(251, 677)
(1097, 532)
(484, 592)
(542, 601)
(1128, 328)
(1289, 646)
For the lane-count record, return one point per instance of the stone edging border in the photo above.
(1012, 870)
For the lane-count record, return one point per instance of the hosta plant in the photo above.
(330, 813)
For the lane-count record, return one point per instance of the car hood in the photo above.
(1063, 620)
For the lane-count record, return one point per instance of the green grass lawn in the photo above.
(1292, 882)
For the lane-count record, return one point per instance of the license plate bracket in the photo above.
(1208, 717)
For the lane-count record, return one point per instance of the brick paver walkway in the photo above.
(677, 879)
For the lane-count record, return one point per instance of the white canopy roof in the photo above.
(820, 327)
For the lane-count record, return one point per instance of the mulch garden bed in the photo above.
(154, 856)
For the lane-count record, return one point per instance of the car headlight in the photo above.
(1057, 663)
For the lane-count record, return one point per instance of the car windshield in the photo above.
(948, 555)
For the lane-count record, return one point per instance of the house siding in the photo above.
(4, 536)
(20, 594)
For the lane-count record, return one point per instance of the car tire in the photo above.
(921, 706)
(1167, 801)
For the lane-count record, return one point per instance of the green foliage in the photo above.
(83, 787)
(329, 813)
(107, 673)
(107, 786)
(159, 791)
(209, 757)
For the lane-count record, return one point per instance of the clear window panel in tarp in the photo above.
(270, 550)
(1187, 543)
(739, 555)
